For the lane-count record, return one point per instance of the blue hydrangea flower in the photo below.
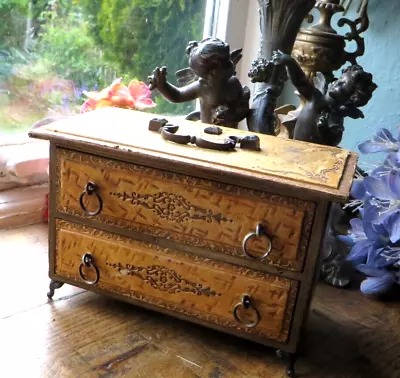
(383, 206)
(382, 141)
(369, 242)
(390, 164)
(379, 281)
(375, 237)
(358, 193)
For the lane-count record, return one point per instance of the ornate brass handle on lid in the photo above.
(247, 303)
(91, 188)
(260, 232)
(87, 261)
(168, 132)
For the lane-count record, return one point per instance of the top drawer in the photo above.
(186, 209)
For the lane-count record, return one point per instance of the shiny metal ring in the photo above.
(260, 232)
(91, 188)
(87, 260)
(247, 304)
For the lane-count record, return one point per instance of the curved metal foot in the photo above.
(52, 287)
(290, 360)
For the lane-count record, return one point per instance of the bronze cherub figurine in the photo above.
(223, 100)
(321, 119)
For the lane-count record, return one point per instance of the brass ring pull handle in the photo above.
(91, 188)
(87, 261)
(247, 304)
(260, 232)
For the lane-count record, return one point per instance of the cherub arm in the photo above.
(158, 80)
(296, 74)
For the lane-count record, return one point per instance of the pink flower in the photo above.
(136, 96)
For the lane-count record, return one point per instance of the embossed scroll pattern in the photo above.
(164, 279)
(170, 206)
(287, 216)
(65, 268)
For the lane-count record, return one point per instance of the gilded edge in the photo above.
(292, 290)
(274, 199)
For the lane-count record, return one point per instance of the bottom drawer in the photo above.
(224, 294)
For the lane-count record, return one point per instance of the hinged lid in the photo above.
(326, 171)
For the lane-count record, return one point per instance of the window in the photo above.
(51, 51)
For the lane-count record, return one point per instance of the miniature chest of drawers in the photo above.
(226, 239)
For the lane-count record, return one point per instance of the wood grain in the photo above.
(83, 334)
(192, 211)
(198, 287)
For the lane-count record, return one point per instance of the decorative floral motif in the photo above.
(323, 174)
(189, 311)
(171, 206)
(164, 279)
(256, 197)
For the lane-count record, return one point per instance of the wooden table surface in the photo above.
(81, 334)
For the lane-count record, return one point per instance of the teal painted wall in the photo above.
(382, 59)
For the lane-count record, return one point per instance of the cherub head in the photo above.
(210, 58)
(354, 88)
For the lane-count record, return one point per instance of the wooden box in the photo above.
(226, 239)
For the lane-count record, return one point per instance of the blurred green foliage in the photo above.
(52, 50)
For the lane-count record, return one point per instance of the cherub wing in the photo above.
(320, 82)
(236, 55)
(185, 76)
